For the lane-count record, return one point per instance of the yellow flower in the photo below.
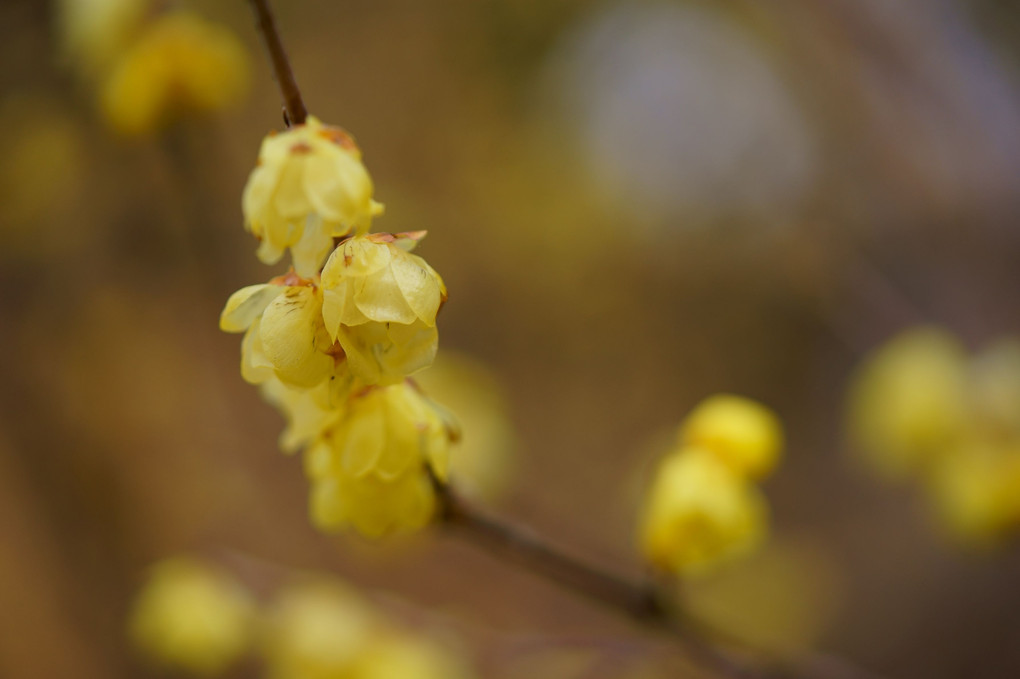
(192, 616)
(745, 435)
(975, 491)
(371, 470)
(93, 32)
(908, 402)
(395, 656)
(308, 187)
(995, 388)
(380, 303)
(284, 333)
(699, 514)
(180, 64)
(317, 630)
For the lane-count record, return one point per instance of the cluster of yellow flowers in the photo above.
(703, 508)
(193, 616)
(922, 408)
(333, 341)
(150, 65)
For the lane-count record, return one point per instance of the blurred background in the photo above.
(634, 204)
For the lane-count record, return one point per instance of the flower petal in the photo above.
(247, 304)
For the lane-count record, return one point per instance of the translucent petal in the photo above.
(362, 439)
(380, 298)
(290, 330)
(289, 199)
(312, 248)
(338, 186)
(247, 304)
(268, 252)
(355, 257)
(255, 367)
(420, 286)
(258, 194)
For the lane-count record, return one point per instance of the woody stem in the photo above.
(293, 104)
(638, 600)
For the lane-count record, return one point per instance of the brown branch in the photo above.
(640, 600)
(293, 105)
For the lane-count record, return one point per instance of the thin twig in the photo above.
(293, 104)
(640, 600)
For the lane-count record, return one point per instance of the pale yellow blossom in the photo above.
(179, 64)
(93, 32)
(193, 616)
(975, 491)
(380, 303)
(908, 402)
(317, 629)
(743, 433)
(284, 333)
(308, 187)
(400, 656)
(699, 514)
(371, 471)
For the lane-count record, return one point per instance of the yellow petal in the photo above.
(380, 298)
(338, 186)
(247, 304)
(421, 286)
(312, 248)
(255, 367)
(290, 332)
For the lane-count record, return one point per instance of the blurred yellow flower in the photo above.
(995, 388)
(93, 32)
(403, 657)
(318, 629)
(371, 471)
(699, 514)
(380, 302)
(191, 615)
(922, 407)
(975, 492)
(908, 402)
(482, 461)
(179, 64)
(308, 187)
(745, 435)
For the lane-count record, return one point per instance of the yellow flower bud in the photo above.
(745, 435)
(699, 514)
(191, 615)
(308, 187)
(317, 630)
(995, 386)
(369, 471)
(180, 64)
(975, 490)
(93, 32)
(908, 402)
